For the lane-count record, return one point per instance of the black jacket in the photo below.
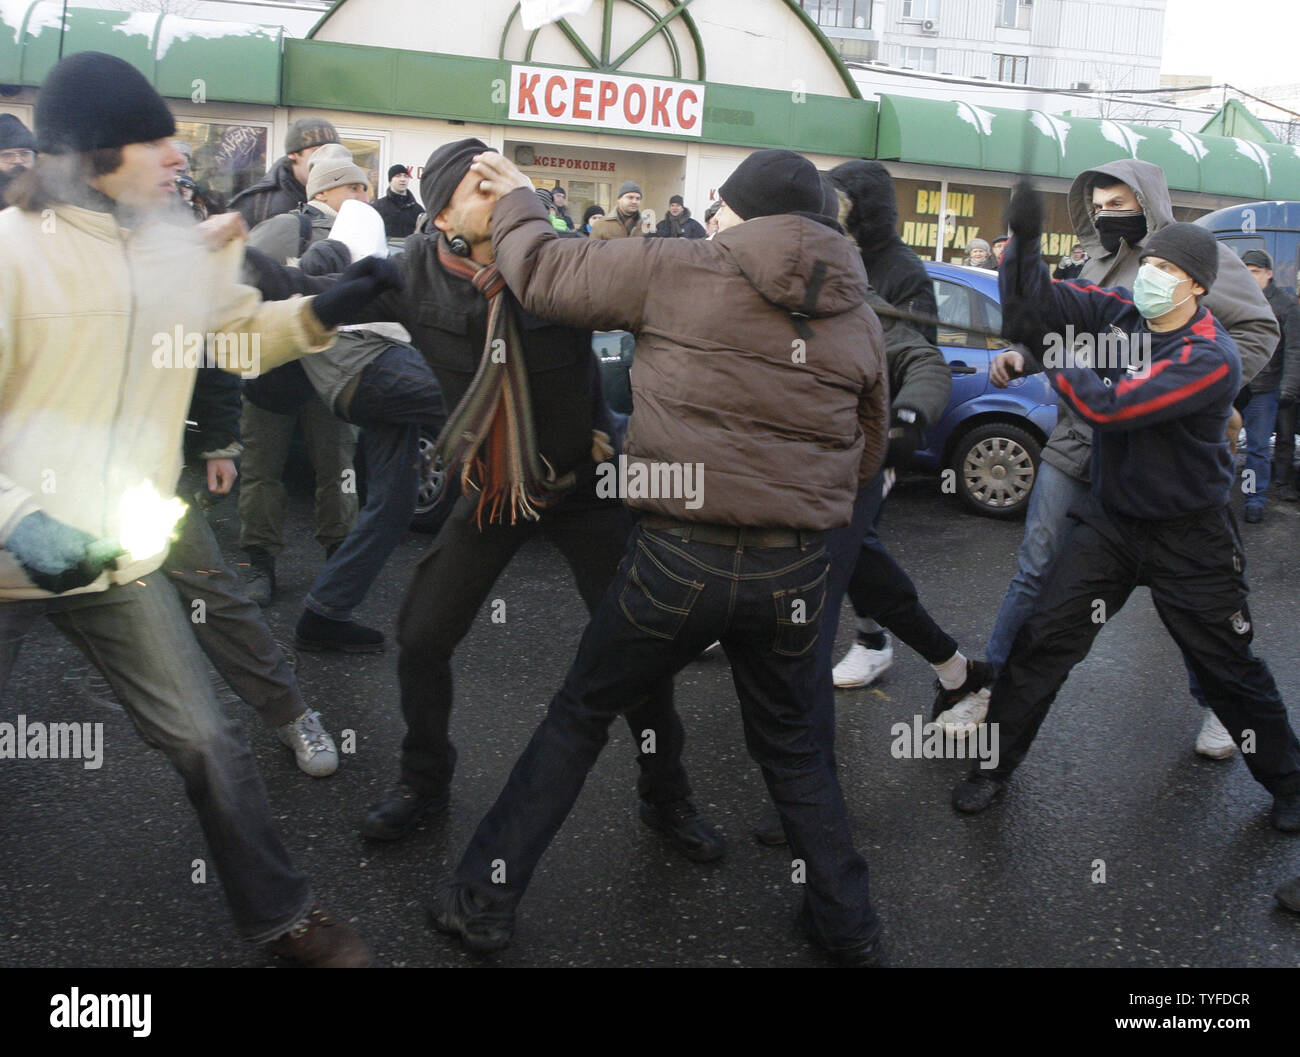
(215, 407)
(1069, 271)
(687, 228)
(1283, 370)
(277, 192)
(447, 321)
(896, 273)
(400, 212)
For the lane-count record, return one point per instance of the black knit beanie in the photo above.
(14, 135)
(309, 132)
(771, 182)
(398, 170)
(92, 100)
(1190, 247)
(444, 171)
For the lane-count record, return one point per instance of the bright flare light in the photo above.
(147, 521)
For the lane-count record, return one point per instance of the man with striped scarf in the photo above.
(524, 438)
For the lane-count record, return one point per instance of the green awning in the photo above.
(962, 135)
(182, 57)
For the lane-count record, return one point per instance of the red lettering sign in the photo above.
(553, 108)
(608, 97)
(682, 119)
(659, 108)
(527, 100)
(639, 93)
(582, 98)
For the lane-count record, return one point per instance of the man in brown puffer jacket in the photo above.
(761, 407)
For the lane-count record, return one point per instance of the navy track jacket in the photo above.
(1159, 450)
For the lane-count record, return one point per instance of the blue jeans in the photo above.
(1260, 416)
(1047, 532)
(396, 395)
(141, 640)
(669, 600)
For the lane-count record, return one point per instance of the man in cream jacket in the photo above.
(103, 310)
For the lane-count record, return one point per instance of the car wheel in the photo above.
(995, 466)
(438, 489)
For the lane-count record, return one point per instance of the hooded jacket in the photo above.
(1235, 299)
(93, 386)
(1283, 371)
(277, 192)
(895, 271)
(687, 228)
(757, 358)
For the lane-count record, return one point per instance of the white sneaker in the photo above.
(966, 714)
(312, 746)
(862, 666)
(1214, 740)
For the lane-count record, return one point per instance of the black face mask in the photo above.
(1115, 224)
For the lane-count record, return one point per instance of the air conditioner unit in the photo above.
(930, 28)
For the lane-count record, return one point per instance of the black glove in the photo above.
(58, 557)
(325, 257)
(359, 284)
(905, 437)
(1025, 212)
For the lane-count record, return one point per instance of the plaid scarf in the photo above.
(490, 434)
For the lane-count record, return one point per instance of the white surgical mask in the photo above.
(1153, 292)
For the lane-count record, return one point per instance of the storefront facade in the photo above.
(669, 95)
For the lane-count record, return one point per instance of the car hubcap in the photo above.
(431, 476)
(998, 472)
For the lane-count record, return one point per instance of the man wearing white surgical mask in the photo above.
(1157, 514)
(1116, 209)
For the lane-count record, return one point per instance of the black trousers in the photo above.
(1284, 447)
(1195, 568)
(451, 584)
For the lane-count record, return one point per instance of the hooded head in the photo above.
(1148, 184)
(873, 215)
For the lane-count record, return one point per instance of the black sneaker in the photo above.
(979, 674)
(1285, 815)
(1289, 895)
(259, 580)
(1254, 515)
(976, 791)
(316, 633)
(695, 836)
(768, 829)
(401, 811)
(483, 929)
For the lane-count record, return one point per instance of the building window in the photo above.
(839, 14)
(222, 157)
(1013, 68)
(921, 9)
(367, 151)
(1014, 14)
(923, 59)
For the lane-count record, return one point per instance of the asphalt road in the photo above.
(98, 863)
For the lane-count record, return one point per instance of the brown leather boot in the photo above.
(320, 942)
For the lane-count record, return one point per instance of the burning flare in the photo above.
(147, 521)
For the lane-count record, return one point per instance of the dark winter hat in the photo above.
(592, 211)
(14, 135)
(545, 196)
(444, 171)
(1192, 248)
(559, 191)
(771, 182)
(309, 132)
(630, 187)
(398, 170)
(1258, 258)
(1001, 238)
(830, 197)
(92, 100)
(677, 200)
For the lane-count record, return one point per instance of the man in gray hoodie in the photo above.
(1114, 208)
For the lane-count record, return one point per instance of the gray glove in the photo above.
(58, 557)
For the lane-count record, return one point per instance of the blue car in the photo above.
(989, 438)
